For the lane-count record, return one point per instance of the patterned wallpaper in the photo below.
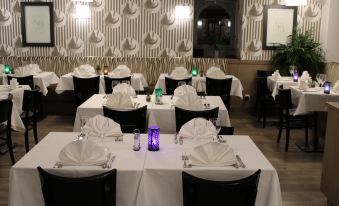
(118, 28)
(251, 25)
(139, 28)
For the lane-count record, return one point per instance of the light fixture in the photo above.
(182, 12)
(295, 2)
(82, 11)
(229, 24)
(199, 23)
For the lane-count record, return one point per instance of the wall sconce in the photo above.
(199, 23)
(182, 12)
(295, 2)
(82, 11)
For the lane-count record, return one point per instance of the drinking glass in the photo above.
(102, 138)
(216, 123)
(291, 69)
(322, 78)
(180, 83)
(317, 77)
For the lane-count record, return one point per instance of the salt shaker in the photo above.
(136, 144)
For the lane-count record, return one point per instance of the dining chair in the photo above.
(99, 190)
(109, 81)
(226, 131)
(25, 80)
(202, 192)
(5, 124)
(84, 88)
(182, 115)
(30, 106)
(287, 119)
(220, 87)
(128, 119)
(172, 84)
(264, 73)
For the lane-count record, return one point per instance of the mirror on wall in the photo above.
(214, 29)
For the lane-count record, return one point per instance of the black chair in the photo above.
(84, 88)
(30, 106)
(288, 121)
(5, 128)
(128, 119)
(97, 190)
(172, 84)
(264, 73)
(220, 87)
(201, 192)
(226, 131)
(182, 115)
(26, 80)
(110, 80)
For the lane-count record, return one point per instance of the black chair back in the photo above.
(226, 131)
(201, 192)
(262, 89)
(285, 100)
(26, 80)
(109, 82)
(218, 87)
(172, 84)
(97, 190)
(128, 119)
(264, 73)
(5, 130)
(182, 115)
(84, 88)
(31, 101)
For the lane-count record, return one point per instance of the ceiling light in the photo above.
(199, 23)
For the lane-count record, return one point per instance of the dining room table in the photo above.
(144, 178)
(274, 84)
(18, 95)
(42, 79)
(199, 83)
(138, 82)
(162, 115)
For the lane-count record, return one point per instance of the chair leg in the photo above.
(10, 148)
(306, 131)
(264, 118)
(280, 128)
(287, 134)
(35, 132)
(26, 140)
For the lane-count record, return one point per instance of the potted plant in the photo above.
(302, 51)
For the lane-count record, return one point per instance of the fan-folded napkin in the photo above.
(216, 73)
(187, 98)
(213, 154)
(85, 70)
(30, 69)
(183, 90)
(120, 71)
(198, 128)
(119, 101)
(306, 76)
(100, 125)
(179, 73)
(303, 84)
(276, 75)
(125, 89)
(82, 153)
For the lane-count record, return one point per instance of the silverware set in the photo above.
(186, 158)
(207, 106)
(106, 165)
(136, 105)
(203, 96)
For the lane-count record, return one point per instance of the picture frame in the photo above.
(279, 23)
(37, 24)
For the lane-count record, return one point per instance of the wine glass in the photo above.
(322, 78)
(317, 77)
(291, 69)
(181, 83)
(217, 125)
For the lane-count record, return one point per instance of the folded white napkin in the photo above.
(213, 154)
(198, 128)
(303, 84)
(190, 101)
(13, 84)
(120, 71)
(30, 69)
(179, 73)
(183, 90)
(306, 76)
(82, 153)
(336, 86)
(124, 88)
(215, 73)
(84, 71)
(100, 125)
(276, 74)
(119, 101)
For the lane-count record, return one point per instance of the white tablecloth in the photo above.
(144, 178)
(311, 101)
(274, 84)
(161, 115)
(199, 83)
(138, 82)
(18, 95)
(43, 80)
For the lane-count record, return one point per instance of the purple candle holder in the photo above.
(153, 138)
(327, 87)
(295, 76)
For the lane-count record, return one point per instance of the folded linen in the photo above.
(303, 84)
(99, 125)
(213, 154)
(198, 128)
(276, 74)
(306, 76)
(216, 73)
(179, 73)
(84, 71)
(120, 71)
(119, 101)
(30, 69)
(125, 89)
(183, 90)
(82, 152)
(187, 99)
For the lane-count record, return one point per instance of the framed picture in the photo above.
(279, 22)
(37, 25)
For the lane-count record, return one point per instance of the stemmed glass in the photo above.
(292, 69)
(321, 78)
(83, 132)
(216, 123)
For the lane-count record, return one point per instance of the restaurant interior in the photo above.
(169, 102)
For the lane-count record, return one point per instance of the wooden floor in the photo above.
(299, 172)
